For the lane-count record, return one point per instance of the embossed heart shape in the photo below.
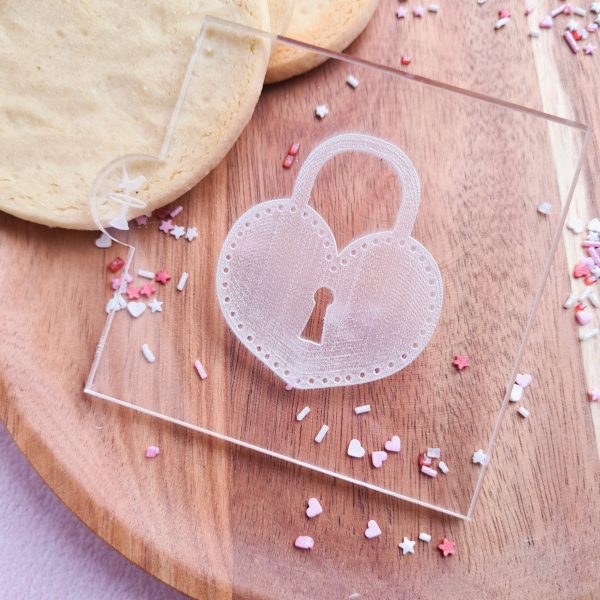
(386, 287)
(355, 449)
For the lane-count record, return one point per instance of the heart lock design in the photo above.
(386, 287)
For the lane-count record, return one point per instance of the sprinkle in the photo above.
(165, 226)
(443, 467)
(133, 292)
(480, 2)
(304, 542)
(479, 457)
(177, 210)
(589, 50)
(116, 264)
(147, 290)
(400, 13)
(500, 23)
(314, 508)
(355, 449)
(352, 81)
(104, 241)
(293, 149)
(300, 416)
(583, 317)
(535, 33)
(146, 274)
(523, 379)
(570, 300)
(200, 369)
(575, 225)
(405, 60)
(594, 225)
(504, 14)
(425, 460)
(523, 412)
(568, 9)
(572, 26)
(594, 299)
(590, 280)
(182, 281)
(516, 393)
(408, 546)
(579, 11)
(592, 27)
(378, 458)
(162, 277)
(585, 294)
(321, 111)
(595, 7)
(322, 433)
(584, 337)
(372, 530)
(418, 11)
(152, 451)
(289, 387)
(581, 269)
(557, 11)
(393, 444)
(545, 208)
(359, 410)
(424, 537)
(461, 361)
(136, 309)
(148, 355)
(546, 22)
(446, 547)
(116, 303)
(155, 305)
(433, 8)
(434, 452)
(530, 8)
(191, 233)
(142, 220)
(177, 231)
(428, 471)
(594, 395)
(288, 161)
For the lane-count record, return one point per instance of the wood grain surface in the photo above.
(218, 522)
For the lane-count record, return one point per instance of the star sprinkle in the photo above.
(191, 233)
(177, 231)
(162, 277)
(147, 290)
(155, 305)
(479, 457)
(461, 361)
(166, 226)
(321, 111)
(408, 546)
(418, 11)
(594, 395)
(400, 13)
(133, 292)
(446, 547)
(589, 49)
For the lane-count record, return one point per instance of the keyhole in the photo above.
(313, 330)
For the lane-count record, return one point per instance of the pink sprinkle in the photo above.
(529, 9)
(418, 11)
(568, 37)
(594, 395)
(166, 226)
(428, 471)
(142, 220)
(546, 22)
(583, 317)
(401, 13)
(293, 149)
(289, 387)
(590, 243)
(175, 211)
(557, 11)
(592, 27)
(304, 542)
(152, 451)
(405, 60)
(200, 369)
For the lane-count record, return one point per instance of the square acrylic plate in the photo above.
(484, 165)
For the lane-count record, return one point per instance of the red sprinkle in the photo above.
(446, 547)
(504, 14)
(116, 264)
(590, 280)
(288, 161)
(293, 150)
(461, 361)
(576, 35)
(579, 307)
(425, 460)
(162, 277)
(405, 60)
(133, 292)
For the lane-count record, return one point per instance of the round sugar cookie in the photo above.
(281, 14)
(84, 83)
(331, 24)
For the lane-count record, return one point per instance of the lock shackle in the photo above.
(366, 144)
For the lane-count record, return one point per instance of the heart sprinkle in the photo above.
(378, 458)
(523, 379)
(355, 449)
(152, 451)
(393, 444)
(372, 530)
(304, 542)
(314, 508)
(135, 309)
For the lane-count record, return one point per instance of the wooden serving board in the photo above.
(216, 521)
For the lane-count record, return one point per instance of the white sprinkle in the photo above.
(545, 208)
(428, 471)
(182, 281)
(443, 467)
(322, 433)
(584, 295)
(570, 301)
(433, 8)
(434, 452)
(175, 211)
(352, 81)
(300, 416)
(572, 25)
(479, 457)
(146, 274)
(523, 412)
(359, 410)
(200, 368)
(321, 111)
(594, 225)
(580, 12)
(557, 11)
(594, 300)
(595, 7)
(576, 225)
(595, 272)
(500, 23)
(516, 393)
(589, 335)
(424, 537)
(481, 1)
(535, 33)
(148, 353)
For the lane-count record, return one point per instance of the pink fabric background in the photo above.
(46, 553)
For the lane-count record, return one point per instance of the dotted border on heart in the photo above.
(251, 340)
